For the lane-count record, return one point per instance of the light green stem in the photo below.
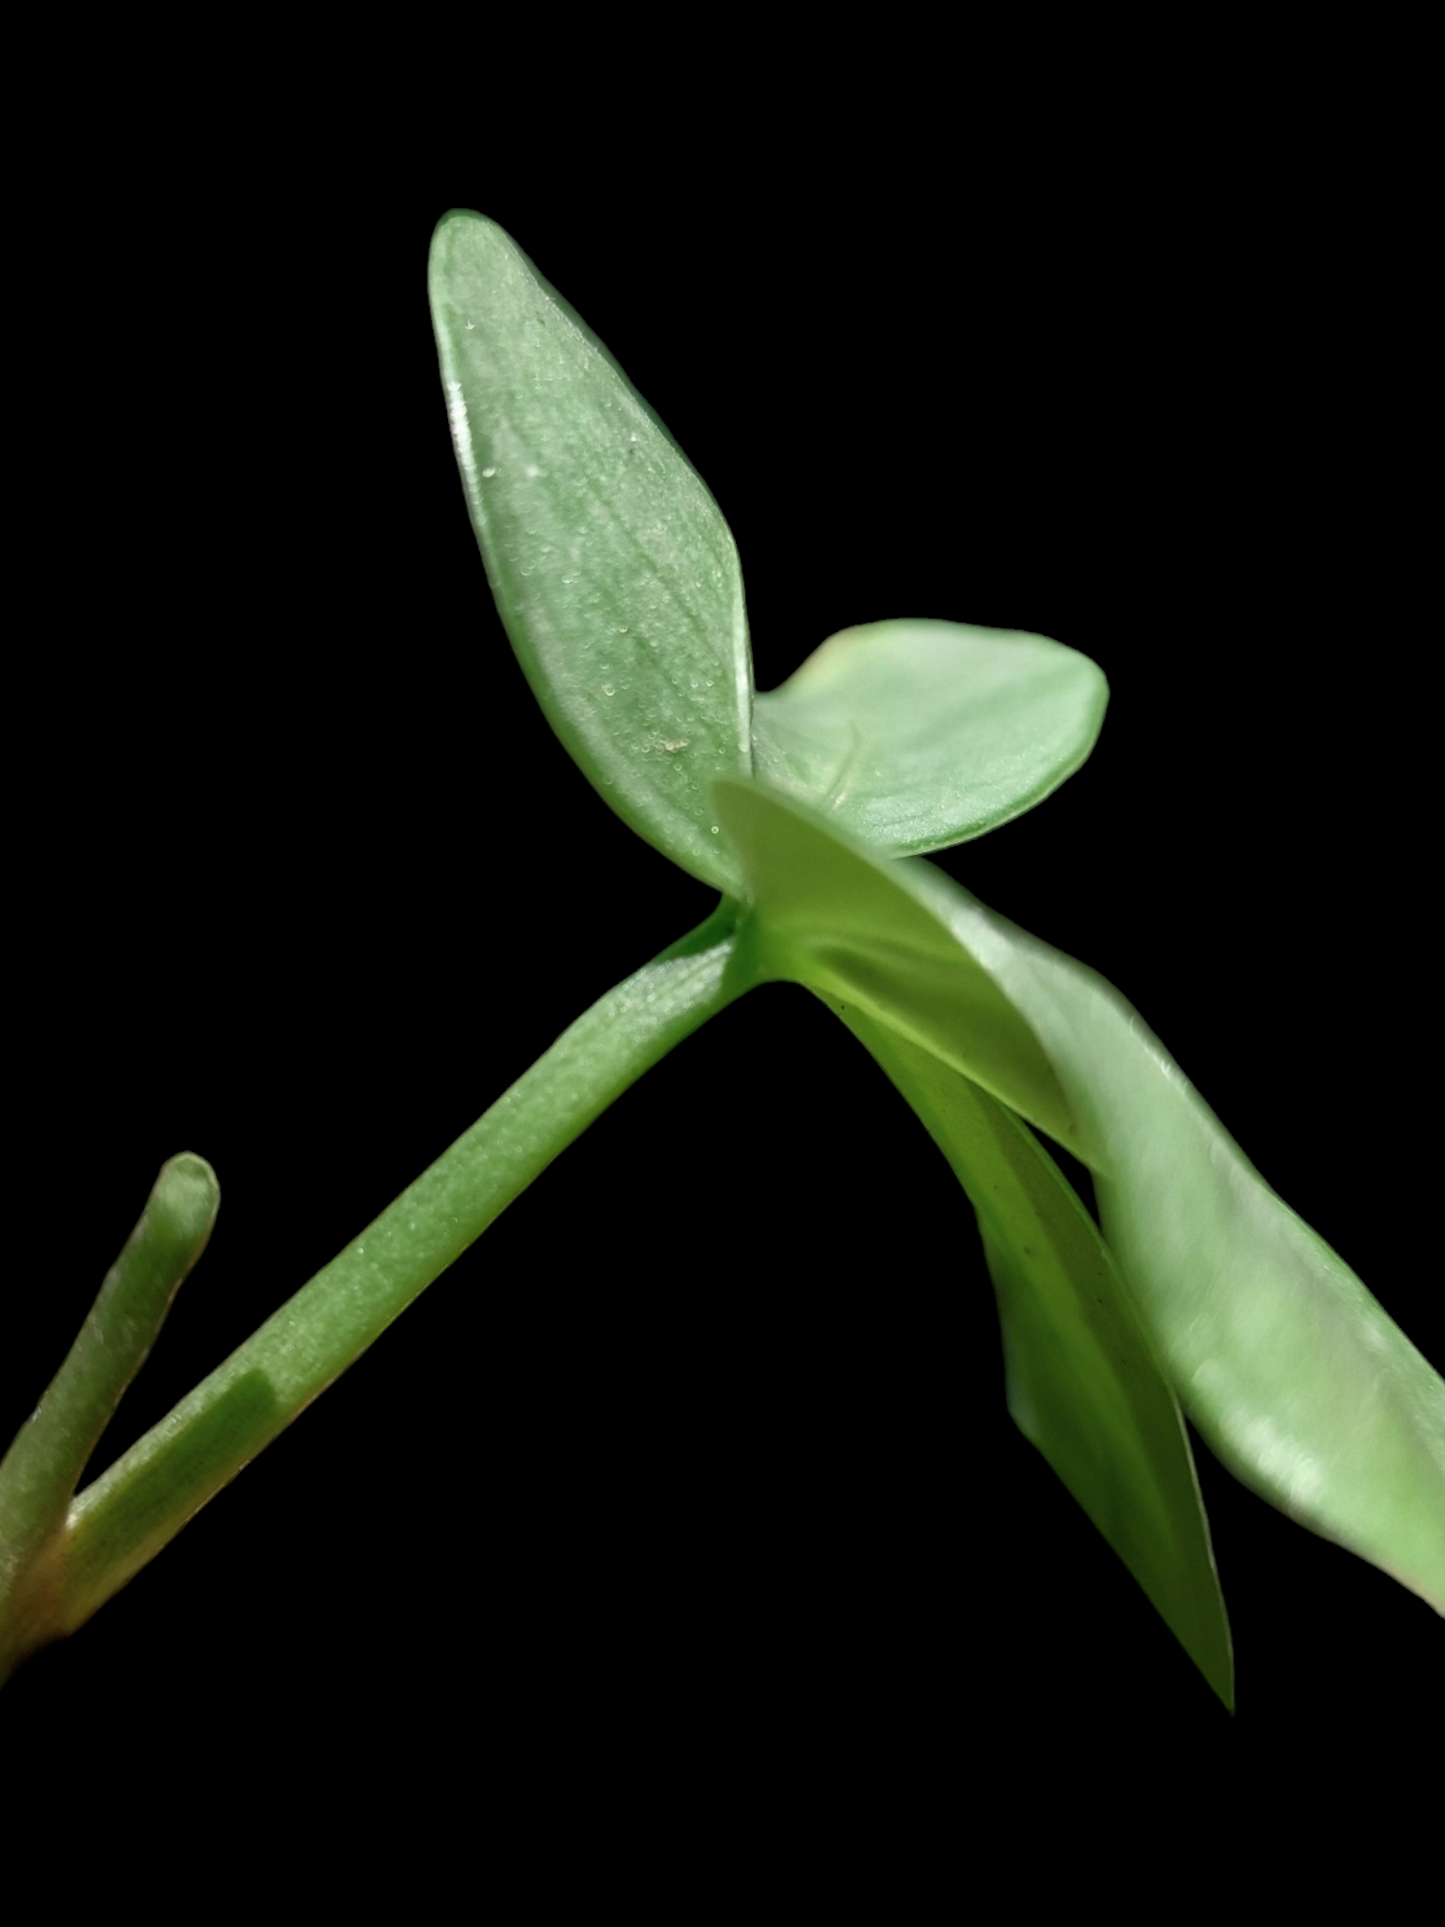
(43, 1466)
(121, 1521)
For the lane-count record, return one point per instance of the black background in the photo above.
(703, 1450)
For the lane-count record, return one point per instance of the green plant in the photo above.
(620, 588)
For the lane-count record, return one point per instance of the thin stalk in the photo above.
(43, 1466)
(120, 1522)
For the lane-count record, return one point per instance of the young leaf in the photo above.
(1289, 1368)
(612, 567)
(1082, 1380)
(911, 736)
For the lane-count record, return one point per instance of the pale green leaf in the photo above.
(1292, 1371)
(1082, 1380)
(612, 567)
(911, 736)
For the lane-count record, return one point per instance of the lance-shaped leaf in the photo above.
(911, 736)
(1082, 1379)
(1294, 1374)
(612, 567)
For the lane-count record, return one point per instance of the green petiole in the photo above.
(67, 1555)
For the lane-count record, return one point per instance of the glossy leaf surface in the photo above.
(1082, 1379)
(911, 736)
(1295, 1375)
(612, 567)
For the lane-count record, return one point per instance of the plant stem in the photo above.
(122, 1520)
(43, 1466)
